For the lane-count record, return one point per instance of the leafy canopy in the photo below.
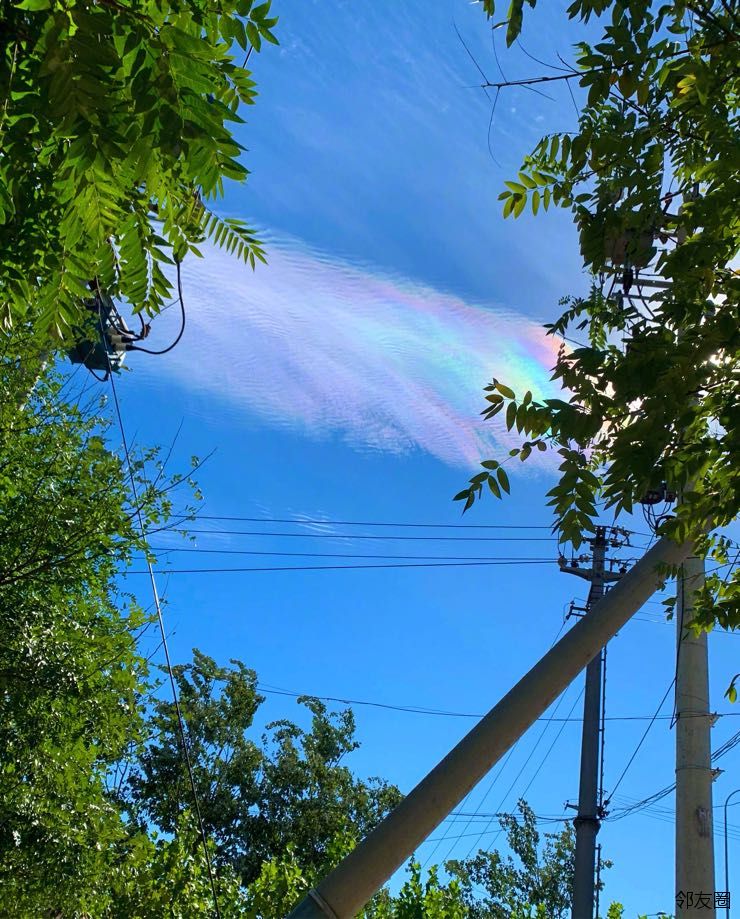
(291, 790)
(535, 880)
(651, 177)
(71, 677)
(116, 126)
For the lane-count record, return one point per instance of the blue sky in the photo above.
(343, 382)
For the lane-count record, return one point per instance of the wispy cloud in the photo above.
(325, 348)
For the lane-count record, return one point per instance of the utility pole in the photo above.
(694, 775)
(590, 794)
(694, 836)
(343, 892)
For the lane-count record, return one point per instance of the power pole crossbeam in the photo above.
(343, 893)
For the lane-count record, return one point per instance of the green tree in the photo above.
(535, 880)
(651, 178)
(283, 883)
(71, 677)
(258, 799)
(116, 125)
(421, 899)
(169, 877)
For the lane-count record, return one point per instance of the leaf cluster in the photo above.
(71, 677)
(651, 392)
(535, 880)
(258, 796)
(116, 125)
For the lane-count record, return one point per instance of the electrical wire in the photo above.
(534, 776)
(323, 521)
(376, 523)
(271, 689)
(641, 741)
(165, 646)
(434, 558)
(468, 835)
(343, 567)
(721, 751)
(504, 763)
(372, 536)
(497, 775)
(668, 814)
(182, 322)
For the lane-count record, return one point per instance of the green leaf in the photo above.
(493, 486)
(527, 181)
(492, 410)
(503, 479)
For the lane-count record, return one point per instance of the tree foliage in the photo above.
(71, 677)
(421, 898)
(651, 178)
(116, 124)
(169, 877)
(536, 880)
(260, 797)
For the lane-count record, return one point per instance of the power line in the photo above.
(724, 748)
(424, 710)
(668, 813)
(377, 523)
(468, 835)
(372, 536)
(437, 558)
(165, 646)
(495, 778)
(537, 771)
(344, 567)
(642, 740)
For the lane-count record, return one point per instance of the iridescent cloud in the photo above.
(325, 348)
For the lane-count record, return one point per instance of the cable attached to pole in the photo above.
(182, 325)
(165, 646)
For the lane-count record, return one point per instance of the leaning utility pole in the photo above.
(694, 775)
(588, 821)
(343, 893)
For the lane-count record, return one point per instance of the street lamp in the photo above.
(727, 867)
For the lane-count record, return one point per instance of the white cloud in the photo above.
(318, 346)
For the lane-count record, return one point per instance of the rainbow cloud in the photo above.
(319, 346)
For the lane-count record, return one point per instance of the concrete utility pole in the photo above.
(588, 821)
(694, 776)
(694, 836)
(343, 893)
